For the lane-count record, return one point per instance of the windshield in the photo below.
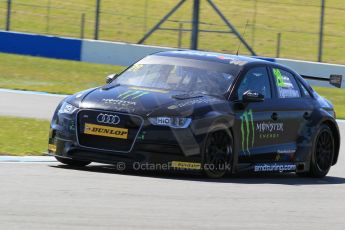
(176, 77)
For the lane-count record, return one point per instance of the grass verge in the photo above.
(336, 96)
(51, 75)
(23, 136)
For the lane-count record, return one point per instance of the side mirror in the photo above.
(110, 78)
(252, 96)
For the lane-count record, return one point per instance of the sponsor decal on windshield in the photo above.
(215, 55)
(232, 59)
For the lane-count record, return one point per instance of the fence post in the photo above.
(98, 9)
(254, 22)
(279, 35)
(145, 17)
(322, 16)
(180, 29)
(195, 25)
(8, 15)
(82, 26)
(48, 17)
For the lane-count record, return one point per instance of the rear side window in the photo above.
(286, 84)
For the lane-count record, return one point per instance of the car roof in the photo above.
(241, 61)
(212, 56)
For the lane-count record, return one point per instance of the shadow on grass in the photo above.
(240, 178)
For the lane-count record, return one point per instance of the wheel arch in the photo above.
(336, 136)
(224, 124)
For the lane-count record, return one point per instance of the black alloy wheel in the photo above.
(324, 150)
(218, 154)
(323, 153)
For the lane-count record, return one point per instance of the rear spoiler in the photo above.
(334, 79)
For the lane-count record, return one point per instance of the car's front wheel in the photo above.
(71, 162)
(322, 155)
(218, 152)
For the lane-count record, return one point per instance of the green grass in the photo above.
(337, 97)
(49, 75)
(297, 20)
(22, 136)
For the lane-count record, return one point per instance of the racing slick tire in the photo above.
(218, 153)
(72, 162)
(322, 155)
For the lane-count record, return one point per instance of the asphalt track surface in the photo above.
(28, 104)
(47, 195)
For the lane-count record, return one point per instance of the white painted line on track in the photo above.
(32, 92)
(25, 159)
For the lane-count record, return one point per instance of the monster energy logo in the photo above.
(247, 130)
(132, 94)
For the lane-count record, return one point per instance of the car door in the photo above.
(293, 107)
(257, 130)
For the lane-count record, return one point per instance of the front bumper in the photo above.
(152, 145)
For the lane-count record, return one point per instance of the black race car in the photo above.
(204, 111)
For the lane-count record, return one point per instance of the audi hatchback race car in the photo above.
(194, 110)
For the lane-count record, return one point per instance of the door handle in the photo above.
(274, 116)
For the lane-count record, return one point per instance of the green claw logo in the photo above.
(247, 130)
(132, 94)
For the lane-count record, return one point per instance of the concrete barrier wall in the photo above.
(117, 53)
(40, 45)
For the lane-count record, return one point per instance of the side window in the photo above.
(304, 90)
(256, 80)
(286, 84)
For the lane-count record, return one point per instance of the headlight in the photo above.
(67, 108)
(173, 122)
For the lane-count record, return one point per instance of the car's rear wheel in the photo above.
(323, 153)
(218, 152)
(71, 162)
